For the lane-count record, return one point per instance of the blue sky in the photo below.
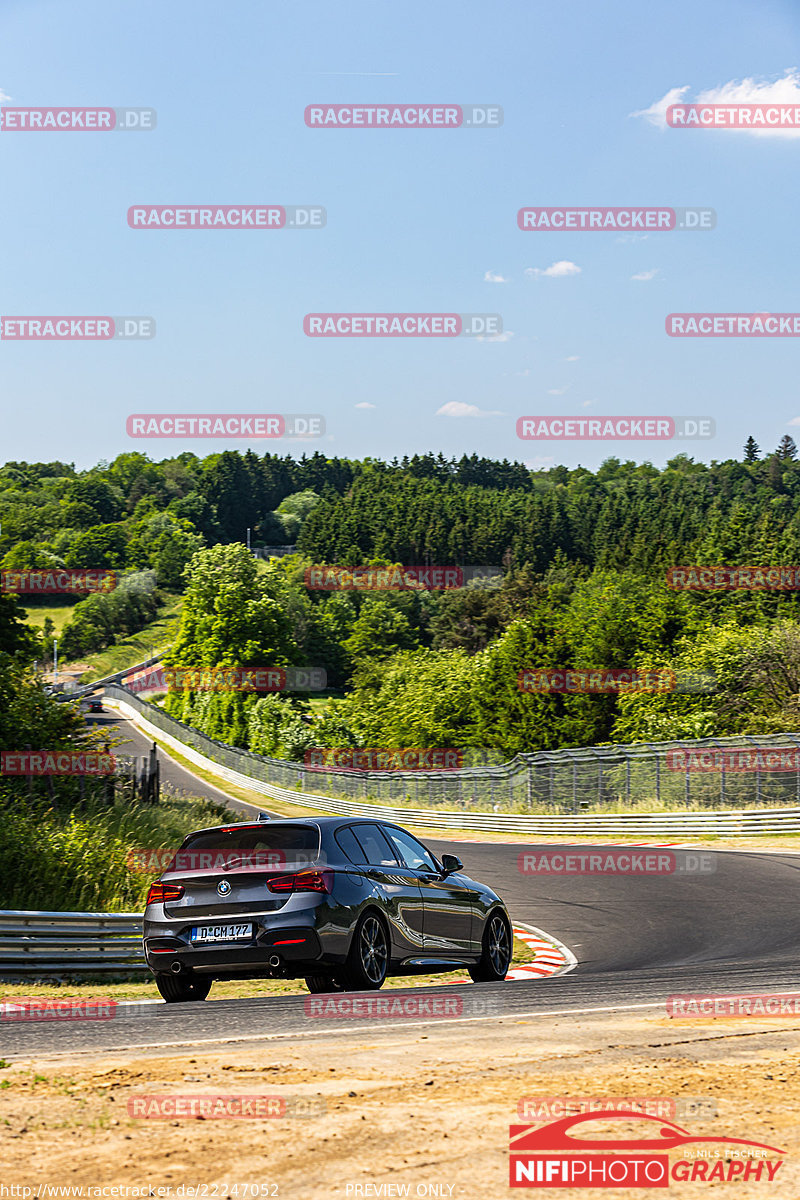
(415, 221)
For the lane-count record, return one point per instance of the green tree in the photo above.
(229, 618)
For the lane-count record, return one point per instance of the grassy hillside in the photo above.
(154, 638)
(37, 614)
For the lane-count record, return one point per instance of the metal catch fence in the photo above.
(705, 774)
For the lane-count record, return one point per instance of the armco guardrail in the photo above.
(41, 943)
(86, 689)
(248, 771)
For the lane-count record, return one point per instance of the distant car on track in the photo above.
(95, 705)
(339, 902)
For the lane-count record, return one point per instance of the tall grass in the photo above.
(64, 861)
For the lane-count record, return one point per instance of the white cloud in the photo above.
(572, 358)
(626, 238)
(656, 114)
(527, 371)
(556, 391)
(785, 90)
(644, 276)
(558, 270)
(588, 403)
(364, 404)
(495, 337)
(3, 96)
(540, 460)
(457, 408)
(794, 421)
(493, 277)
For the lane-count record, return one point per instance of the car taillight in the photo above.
(303, 881)
(159, 892)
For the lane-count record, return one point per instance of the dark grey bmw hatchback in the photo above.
(339, 902)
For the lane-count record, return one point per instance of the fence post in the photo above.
(658, 778)
(110, 781)
(152, 776)
(575, 787)
(28, 747)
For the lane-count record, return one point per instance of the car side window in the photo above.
(411, 852)
(349, 843)
(376, 850)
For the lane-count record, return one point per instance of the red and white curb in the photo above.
(552, 957)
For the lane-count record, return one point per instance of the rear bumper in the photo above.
(168, 945)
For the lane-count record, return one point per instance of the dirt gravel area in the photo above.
(425, 1109)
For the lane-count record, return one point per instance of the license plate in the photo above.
(222, 933)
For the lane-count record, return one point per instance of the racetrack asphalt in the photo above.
(638, 939)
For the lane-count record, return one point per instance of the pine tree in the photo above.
(751, 450)
(786, 448)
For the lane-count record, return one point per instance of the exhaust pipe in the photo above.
(176, 968)
(275, 960)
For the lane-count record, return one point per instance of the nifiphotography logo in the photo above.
(556, 1155)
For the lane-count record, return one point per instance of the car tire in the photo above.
(177, 989)
(496, 951)
(323, 983)
(368, 961)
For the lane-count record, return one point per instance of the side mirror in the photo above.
(450, 863)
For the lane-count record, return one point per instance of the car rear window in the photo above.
(251, 847)
(266, 837)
